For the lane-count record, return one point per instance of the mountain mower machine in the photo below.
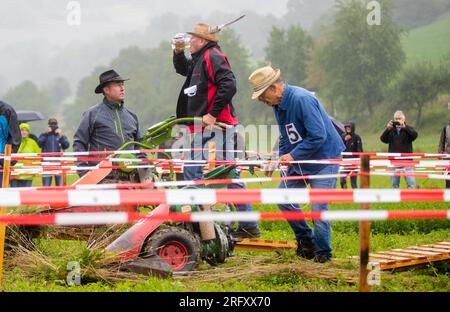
(152, 245)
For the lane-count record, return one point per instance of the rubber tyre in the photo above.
(175, 245)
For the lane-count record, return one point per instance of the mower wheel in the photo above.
(175, 245)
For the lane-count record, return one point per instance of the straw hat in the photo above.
(203, 30)
(262, 78)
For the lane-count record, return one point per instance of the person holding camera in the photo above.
(444, 148)
(400, 136)
(52, 140)
(353, 143)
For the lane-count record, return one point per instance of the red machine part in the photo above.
(130, 243)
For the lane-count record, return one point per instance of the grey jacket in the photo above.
(106, 127)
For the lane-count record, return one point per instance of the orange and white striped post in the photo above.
(3, 211)
(212, 155)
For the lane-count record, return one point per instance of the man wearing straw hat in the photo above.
(207, 94)
(306, 133)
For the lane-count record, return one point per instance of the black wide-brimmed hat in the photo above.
(106, 77)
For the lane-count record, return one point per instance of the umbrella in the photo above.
(339, 126)
(26, 116)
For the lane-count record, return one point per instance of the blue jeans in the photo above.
(321, 238)
(47, 180)
(224, 141)
(21, 183)
(410, 181)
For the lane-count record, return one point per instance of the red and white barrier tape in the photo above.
(172, 150)
(402, 155)
(15, 197)
(163, 184)
(99, 218)
(182, 162)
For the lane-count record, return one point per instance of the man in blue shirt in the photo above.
(306, 133)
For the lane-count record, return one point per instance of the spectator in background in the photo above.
(9, 131)
(444, 148)
(52, 140)
(353, 143)
(400, 136)
(27, 145)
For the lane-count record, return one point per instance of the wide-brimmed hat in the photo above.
(106, 77)
(262, 78)
(203, 30)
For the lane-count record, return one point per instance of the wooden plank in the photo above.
(441, 251)
(402, 264)
(412, 256)
(381, 258)
(391, 257)
(371, 259)
(400, 253)
(417, 253)
(420, 252)
(444, 247)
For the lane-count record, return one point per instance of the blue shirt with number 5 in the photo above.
(306, 131)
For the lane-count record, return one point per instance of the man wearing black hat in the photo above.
(107, 125)
(51, 141)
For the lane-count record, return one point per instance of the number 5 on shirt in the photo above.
(294, 136)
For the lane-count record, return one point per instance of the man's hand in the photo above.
(348, 137)
(402, 124)
(269, 168)
(58, 132)
(390, 125)
(48, 130)
(286, 158)
(208, 120)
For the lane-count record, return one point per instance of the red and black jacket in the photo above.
(210, 82)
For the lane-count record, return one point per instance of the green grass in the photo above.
(428, 43)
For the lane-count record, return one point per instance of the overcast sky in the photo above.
(38, 44)
(46, 20)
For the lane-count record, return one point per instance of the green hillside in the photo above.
(430, 42)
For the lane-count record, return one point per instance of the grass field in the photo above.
(428, 43)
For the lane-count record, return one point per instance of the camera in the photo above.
(395, 123)
(53, 127)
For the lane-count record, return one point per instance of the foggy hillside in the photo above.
(37, 43)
